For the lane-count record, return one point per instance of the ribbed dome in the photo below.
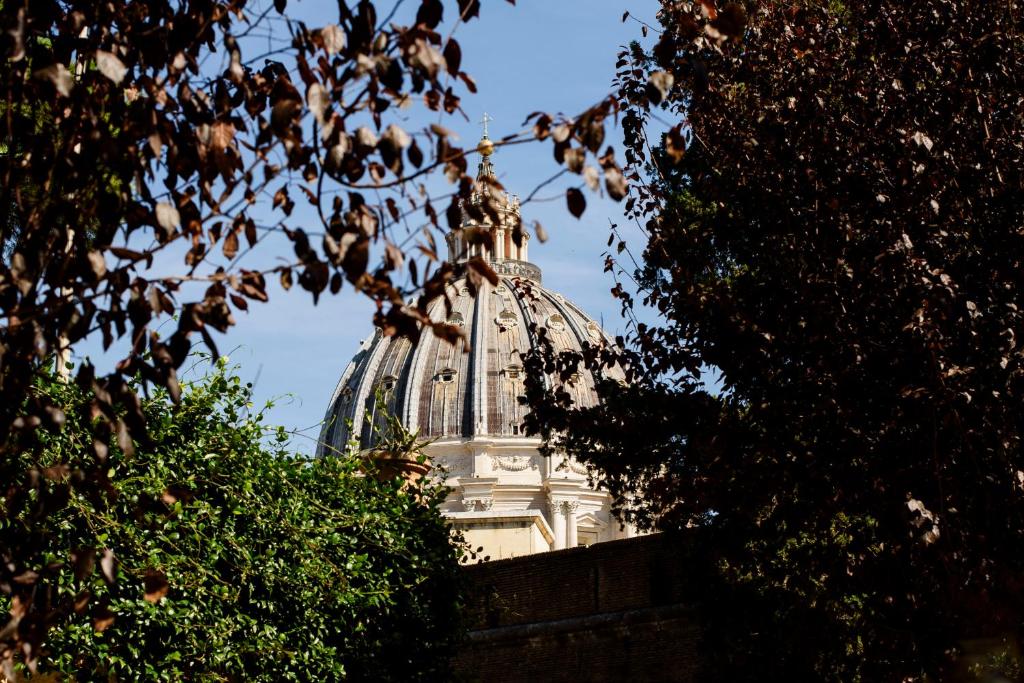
(504, 495)
(443, 391)
(437, 387)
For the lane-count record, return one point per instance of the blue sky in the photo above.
(551, 55)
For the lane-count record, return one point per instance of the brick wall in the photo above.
(613, 611)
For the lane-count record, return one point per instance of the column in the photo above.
(558, 523)
(571, 537)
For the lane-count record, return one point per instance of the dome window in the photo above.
(346, 396)
(387, 384)
(556, 323)
(456, 319)
(574, 379)
(446, 376)
(500, 289)
(506, 320)
(464, 291)
(594, 330)
(513, 372)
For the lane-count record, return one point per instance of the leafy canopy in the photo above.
(833, 223)
(134, 132)
(233, 558)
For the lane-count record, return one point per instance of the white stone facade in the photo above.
(503, 484)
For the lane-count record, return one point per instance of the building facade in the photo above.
(505, 496)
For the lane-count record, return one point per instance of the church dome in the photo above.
(469, 388)
(505, 495)
(441, 389)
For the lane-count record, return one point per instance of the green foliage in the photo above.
(390, 437)
(236, 560)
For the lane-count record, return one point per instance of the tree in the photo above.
(834, 234)
(133, 131)
(236, 560)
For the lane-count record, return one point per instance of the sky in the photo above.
(550, 55)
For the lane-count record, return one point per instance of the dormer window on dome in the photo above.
(456, 319)
(446, 376)
(556, 323)
(513, 372)
(387, 384)
(506, 320)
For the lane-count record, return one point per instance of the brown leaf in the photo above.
(97, 263)
(333, 37)
(102, 619)
(250, 232)
(155, 586)
(675, 144)
(423, 56)
(84, 562)
(574, 158)
(82, 601)
(222, 135)
(615, 183)
(283, 115)
(542, 234)
(59, 75)
(127, 254)
(453, 56)
(365, 139)
(318, 99)
(124, 439)
(396, 137)
(478, 267)
(230, 245)
(430, 13)
(110, 66)
(449, 333)
(659, 84)
(108, 565)
(168, 218)
(415, 154)
(576, 202)
(731, 21)
(393, 257)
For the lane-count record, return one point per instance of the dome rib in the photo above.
(478, 419)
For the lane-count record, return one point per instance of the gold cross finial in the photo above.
(485, 120)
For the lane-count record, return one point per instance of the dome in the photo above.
(464, 396)
(439, 388)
